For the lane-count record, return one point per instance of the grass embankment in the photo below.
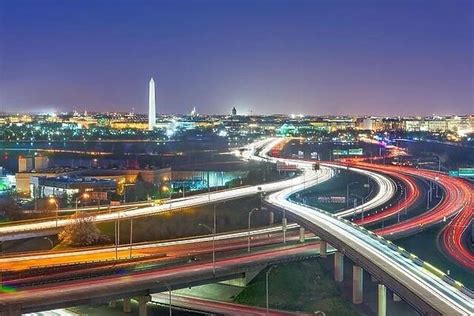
(231, 215)
(300, 286)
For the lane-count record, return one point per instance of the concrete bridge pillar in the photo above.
(142, 301)
(323, 249)
(357, 284)
(11, 312)
(396, 298)
(302, 236)
(112, 304)
(127, 308)
(381, 300)
(271, 218)
(338, 266)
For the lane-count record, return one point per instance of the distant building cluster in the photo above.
(128, 126)
(461, 125)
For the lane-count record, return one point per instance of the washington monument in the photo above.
(151, 105)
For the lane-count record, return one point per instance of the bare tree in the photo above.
(81, 231)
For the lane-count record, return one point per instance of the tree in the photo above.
(9, 208)
(81, 231)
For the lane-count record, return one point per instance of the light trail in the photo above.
(9, 231)
(443, 297)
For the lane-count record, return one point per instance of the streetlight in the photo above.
(165, 188)
(439, 161)
(248, 237)
(347, 192)
(117, 235)
(355, 204)
(53, 201)
(213, 232)
(50, 241)
(266, 286)
(428, 196)
(437, 185)
(131, 236)
(168, 286)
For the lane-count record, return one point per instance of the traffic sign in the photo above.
(466, 172)
(453, 173)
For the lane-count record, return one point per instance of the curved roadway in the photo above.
(424, 287)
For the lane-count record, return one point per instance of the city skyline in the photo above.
(396, 58)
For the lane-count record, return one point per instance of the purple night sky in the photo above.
(394, 57)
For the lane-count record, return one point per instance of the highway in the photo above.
(408, 274)
(386, 186)
(72, 293)
(411, 195)
(405, 272)
(218, 307)
(457, 203)
(13, 231)
(455, 199)
(385, 193)
(178, 247)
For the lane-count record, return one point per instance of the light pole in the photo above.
(168, 286)
(283, 222)
(362, 198)
(131, 236)
(208, 188)
(213, 232)
(50, 241)
(347, 192)
(266, 287)
(439, 161)
(437, 185)
(83, 196)
(117, 235)
(52, 200)
(428, 196)
(248, 235)
(405, 197)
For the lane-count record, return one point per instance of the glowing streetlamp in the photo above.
(53, 201)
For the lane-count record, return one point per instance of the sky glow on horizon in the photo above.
(264, 57)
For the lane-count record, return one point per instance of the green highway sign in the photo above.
(340, 152)
(356, 151)
(466, 172)
(453, 173)
(348, 152)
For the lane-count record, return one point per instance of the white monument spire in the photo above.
(151, 105)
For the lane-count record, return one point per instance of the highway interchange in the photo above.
(408, 272)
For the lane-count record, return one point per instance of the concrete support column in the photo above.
(302, 236)
(338, 266)
(381, 300)
(142, 301)
(271, 218)
(357, 284)
(11, 312)
(323, 249)
(396, 298)
(112, 304)
(127, 308)
(283, 223)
